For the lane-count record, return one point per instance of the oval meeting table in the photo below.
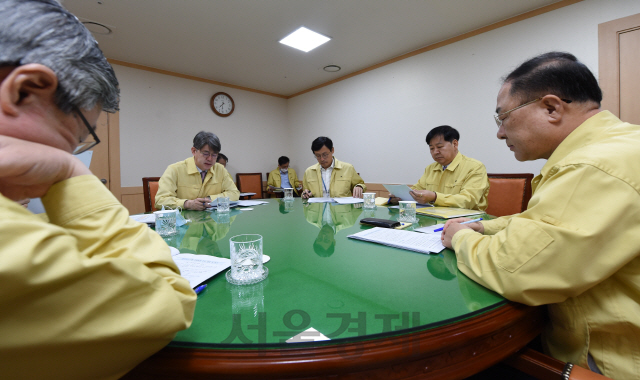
(385, 313)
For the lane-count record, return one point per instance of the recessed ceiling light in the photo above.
(304, 39)
(331, 68)
(97, 28)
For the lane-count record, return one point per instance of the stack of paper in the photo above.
(412, 241)
(343, 200)
(447, 212)
(199, 268)
(251, 203)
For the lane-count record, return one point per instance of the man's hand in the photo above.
(28, 170)
(198, 204)
(423, 196)
(306, 194)
(453, 225)
(357, 192)
(24, 202)
(393, 200)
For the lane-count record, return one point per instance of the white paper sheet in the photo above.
(423, 243)
(429, 229)
(144, 218)
(320, 200)
(250, 203)
(348, 200)
(308, 335)
(199, 268)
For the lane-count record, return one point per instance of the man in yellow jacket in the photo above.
(576, 247)
(89, 293)
(194, 182)
(284, 176)
(453, 180)
(330, 177)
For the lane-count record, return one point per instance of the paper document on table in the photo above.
(320, 200)
(251, 203)
(447, 212)
(144, 218)
(423, 243)
(348, 200)
(429, 229)
(199, 268)
(246, 194)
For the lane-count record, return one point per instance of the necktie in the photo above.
(203, 174)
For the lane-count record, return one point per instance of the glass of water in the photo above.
(369, 200)
(288, 193)
(407, 212)
(246, 260)
(223, 204)
(166, 222)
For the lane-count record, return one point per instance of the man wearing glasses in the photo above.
(89, 293)
(196, 181)
(329, 177)
(576, 247)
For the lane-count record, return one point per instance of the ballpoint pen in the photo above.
(467, 222)
(200, 288)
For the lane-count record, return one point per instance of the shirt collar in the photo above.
(452, 165)
(333, 164)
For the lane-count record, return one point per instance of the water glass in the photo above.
(246, 260)
(369, 200)
(408, 212)
(223, 204)
(288, 193)
(166, 222)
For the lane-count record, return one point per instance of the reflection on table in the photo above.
(380, 306)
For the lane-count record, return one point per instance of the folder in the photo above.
(447, 212)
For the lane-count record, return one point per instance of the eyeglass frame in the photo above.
(499, 121)
(207, 155)
(324, 155)
(81, 149)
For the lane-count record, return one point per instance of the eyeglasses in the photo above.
(84, 146)
(499, 120)
(207, 154)
(324, 155)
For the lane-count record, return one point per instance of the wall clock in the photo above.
(222, 104)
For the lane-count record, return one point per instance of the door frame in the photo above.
(609, 59)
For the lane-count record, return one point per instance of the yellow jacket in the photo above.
(575, 248)
(343, 179)
(182, 181)
(88, 295)
(463, 184)
(275, 180)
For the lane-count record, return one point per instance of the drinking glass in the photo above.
(288, 194)
(369, 200)
(166, 222)
(246, 260)
(223, 204)
(407, 212)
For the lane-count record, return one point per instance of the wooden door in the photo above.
(619, 58)
(105, 163)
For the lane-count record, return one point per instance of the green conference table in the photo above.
(389, 313)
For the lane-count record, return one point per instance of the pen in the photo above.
(200, 288)
(467, 222)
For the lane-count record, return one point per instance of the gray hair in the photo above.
(207, 138)
(42, 31)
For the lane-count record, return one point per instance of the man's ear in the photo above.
(27, 85)
(193, 150)
(554, 107)
(455, 143)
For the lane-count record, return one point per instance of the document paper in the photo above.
(199, 268)
(409, 240)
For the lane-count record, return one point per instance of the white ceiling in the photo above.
(236, 41)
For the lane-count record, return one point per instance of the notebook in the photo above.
(447, 212)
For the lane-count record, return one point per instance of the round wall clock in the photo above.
(222, 104)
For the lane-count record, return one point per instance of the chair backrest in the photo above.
(250, 183)
(150, 188)
(508, 193)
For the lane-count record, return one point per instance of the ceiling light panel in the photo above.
(304, 39)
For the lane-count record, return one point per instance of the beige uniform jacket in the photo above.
(275, 180)
(182, 181)
(87, 295)
(576, 248)
(343, 179)
(463, 184)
